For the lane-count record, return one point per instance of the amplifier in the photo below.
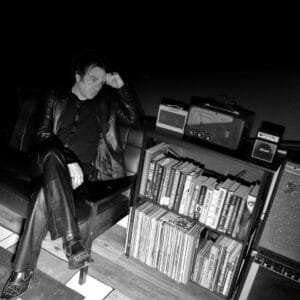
(172, 115)
(267, 279)
(217, 123)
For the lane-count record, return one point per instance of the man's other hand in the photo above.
(76, 174)
(114, 80)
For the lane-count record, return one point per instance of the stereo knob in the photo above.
(200, 134)
(209, 138)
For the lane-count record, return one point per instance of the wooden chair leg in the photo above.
(83, 275)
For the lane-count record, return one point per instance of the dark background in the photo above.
(175, 52)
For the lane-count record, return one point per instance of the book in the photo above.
(153, 236)
(229, 246)
(149, 154)
(210, 186)
(240, 194)
(212, 205)
(195, 195)
(171, 183)
(161, 171)
(230, 269)
(227, 201)
(187, 190)
(220, 202)
(232, 207)
(183, 175)
(157, 175)
(241, 228)
(192, 193)
(220, 260)
(188, 259)
(162, 197)
(149, 184)
(175, 182)
(211, 263)
(145, 232)
(137, 227)
(196, 266)
(159, 238)
(200, 201)
(203, 261)
(236, 222)
(205, 266)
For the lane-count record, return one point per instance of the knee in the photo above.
(48, 153)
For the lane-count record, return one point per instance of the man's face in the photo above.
(90, 83)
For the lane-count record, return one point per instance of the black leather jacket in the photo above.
(112, 106)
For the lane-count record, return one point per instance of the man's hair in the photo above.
(85, 59)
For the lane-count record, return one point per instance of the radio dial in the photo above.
(209, 138)
(200, 134)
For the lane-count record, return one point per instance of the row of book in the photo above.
(223, 205)
(165, 241)
(215, 264)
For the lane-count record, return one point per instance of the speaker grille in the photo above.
(281, 233)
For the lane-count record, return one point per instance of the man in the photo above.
(77, 140)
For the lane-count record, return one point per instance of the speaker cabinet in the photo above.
(269, 280)
(280, 233)
(272, 272)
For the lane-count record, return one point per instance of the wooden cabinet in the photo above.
(191, 250)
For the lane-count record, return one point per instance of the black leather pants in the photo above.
(52, 208)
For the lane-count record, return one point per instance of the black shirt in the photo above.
(80, 128)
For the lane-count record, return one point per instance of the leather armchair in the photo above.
(96, 210)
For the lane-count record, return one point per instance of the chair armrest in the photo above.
(104, 190)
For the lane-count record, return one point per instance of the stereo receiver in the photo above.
(218, 123)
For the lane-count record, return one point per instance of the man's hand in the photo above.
(76, 174)
(114, 80)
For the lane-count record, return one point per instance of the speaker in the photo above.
(279, 235)
(268, 279)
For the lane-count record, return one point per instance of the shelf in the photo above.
(215, 162)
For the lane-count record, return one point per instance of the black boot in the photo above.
(77, 254)
(16, 285)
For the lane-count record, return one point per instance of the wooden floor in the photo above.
(129, 278)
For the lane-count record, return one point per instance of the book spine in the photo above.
(149, 179)
(236, 204)
(163, 198)
(212, 207)
(238, 218)
(224, 212)
(189, 199)
(185, 191)
(194, 199)
(221, 280)
(230, 270)
(207, 199)
(218, 208)
(179, 192)
(156, 181)
(174, 189)
(169, 187)
(200, 203)
(161, 185)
